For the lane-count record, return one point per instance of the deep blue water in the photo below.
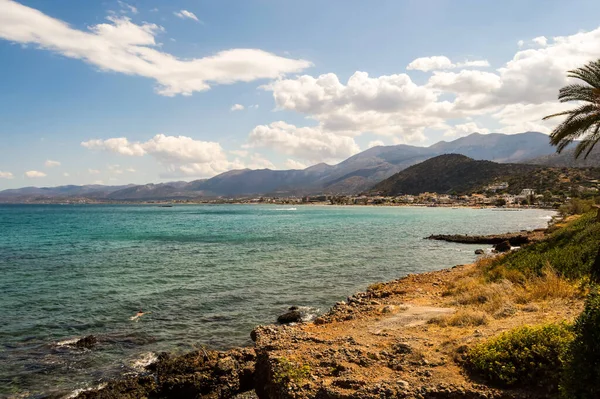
(206, 274)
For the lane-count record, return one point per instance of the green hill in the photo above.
(453, 173)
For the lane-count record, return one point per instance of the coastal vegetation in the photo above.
(525, 356)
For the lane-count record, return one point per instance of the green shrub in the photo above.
(581, 378)
(529, 356)
(569, 250)
(287, 371)
(576, 206)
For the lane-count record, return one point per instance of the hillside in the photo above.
(458, 173)
(354, 175)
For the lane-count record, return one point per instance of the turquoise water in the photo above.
(206, 274)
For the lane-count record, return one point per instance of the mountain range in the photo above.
(354, 175)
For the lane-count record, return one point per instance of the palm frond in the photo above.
(577, 92)
(588, 143)
(589, 73)
(584, 109)
(566, 132)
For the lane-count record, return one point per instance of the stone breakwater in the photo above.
(515, 239)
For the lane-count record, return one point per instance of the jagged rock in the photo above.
(86, 342)
(504, 246)
(292, 316)
(479, 252)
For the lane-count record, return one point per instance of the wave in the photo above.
(77, 392)
(68, 342)
(144, 360)
(286, 209)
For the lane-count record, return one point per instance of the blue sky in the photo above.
(146, 91)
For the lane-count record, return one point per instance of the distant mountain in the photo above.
(454, 173)
(356, 174)
(91, 190)
(567, 159)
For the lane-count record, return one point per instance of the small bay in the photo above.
(204, 274)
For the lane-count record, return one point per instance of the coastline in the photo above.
(353, 348)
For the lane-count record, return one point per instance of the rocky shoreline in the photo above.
(396, 340)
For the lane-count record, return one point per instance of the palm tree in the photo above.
(583, 121)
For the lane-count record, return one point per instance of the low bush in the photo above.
(530, 356)
(287, 371)
(570, 251)
(576, 206)
(581, 378)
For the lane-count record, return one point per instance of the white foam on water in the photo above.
(144, 360)
(76, 392)
(67, 342)
(286, 209)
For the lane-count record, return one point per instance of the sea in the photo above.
(204, 275)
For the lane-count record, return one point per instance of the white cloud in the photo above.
(6, 175)
(124, 47)
(293, 164)
(154, 9)
(93, 171)
(126, 7)
(518, 118)
(541, 41)
(119, 145)
(130, 170)
(387, 105)
(32, 174)
(255, 106)
(50, 163)
(237, 107)
(239, 153)
(375, 143)
(308, 143)
(99, 182)
(397, 107)
(66, 174)
(183, 14)
(179, 155)
(426, 64)
(464, 129)
(257, 161)
(520, 43)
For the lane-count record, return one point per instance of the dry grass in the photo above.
(462, 318)
(494, 291)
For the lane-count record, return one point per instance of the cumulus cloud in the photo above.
(438, 62)
(521, 43)
(513, 97)
(540, 41)
(375, 143)
(180, 155)
(464, 129)
(50, 163)
(125, 47)
(237, 107)
(185, 14)
(32, 174)
(130, 170)
(257, 161)
(293, 164)
(308, 143)
(6, 175)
